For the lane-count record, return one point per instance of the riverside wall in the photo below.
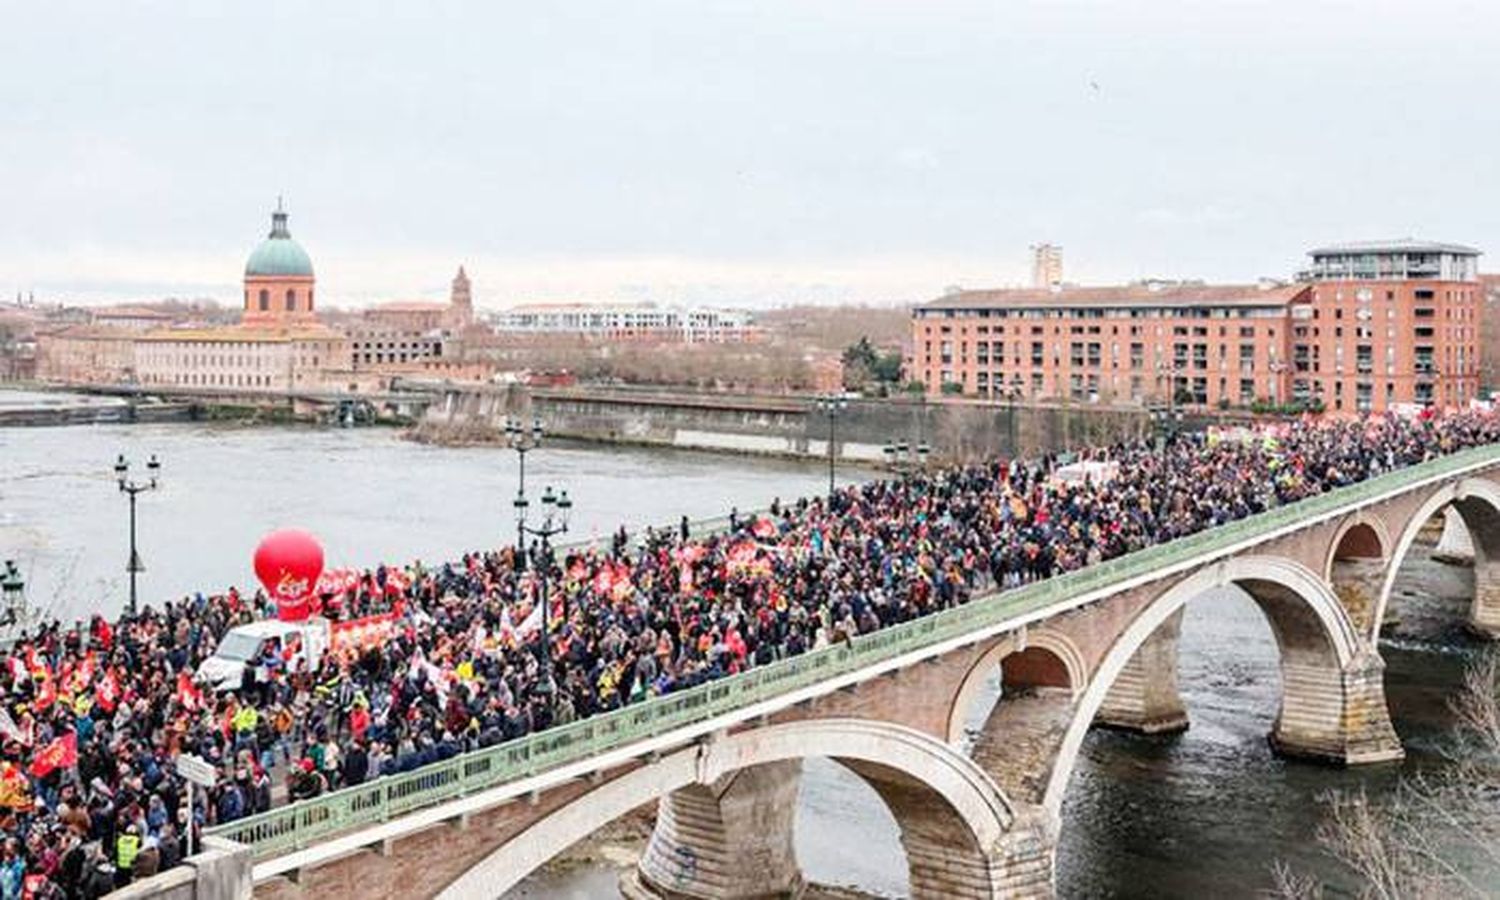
(81, 414)
(778, 426)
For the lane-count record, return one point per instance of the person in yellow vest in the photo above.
(127, 848)
(245, 720)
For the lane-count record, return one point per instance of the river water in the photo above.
(1197, 814)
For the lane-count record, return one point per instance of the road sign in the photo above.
(196, 769)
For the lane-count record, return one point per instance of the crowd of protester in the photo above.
(95, 712)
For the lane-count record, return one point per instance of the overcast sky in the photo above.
(738, 153)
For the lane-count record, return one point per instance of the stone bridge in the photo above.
(977, 818)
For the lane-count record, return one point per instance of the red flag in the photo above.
(13, 787)
(188, 694)
(107, 694)
(46, 695)
(60, 754)
(82, 676)
(36, 664)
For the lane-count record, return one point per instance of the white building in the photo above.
(627, 322)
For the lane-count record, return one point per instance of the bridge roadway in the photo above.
(1097, 646)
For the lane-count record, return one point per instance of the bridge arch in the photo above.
(952, 816)
(1356, 563)
(1049, 659)
(1477, 502)
(1360, 537)
(1325, 664)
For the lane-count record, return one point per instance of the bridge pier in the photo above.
(1455, 546)
(1145, 697)
(728, 840)
(943, 858)
(1484, 615)
(1336, 715)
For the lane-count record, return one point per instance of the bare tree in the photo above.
(1438, 835)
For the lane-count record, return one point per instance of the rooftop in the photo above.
(130, 312)
(278, 256)
(400, 306)
(1121, 295)
(242, 334)
(94, 332)
(1399, 245)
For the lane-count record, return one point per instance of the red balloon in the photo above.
(288, 562)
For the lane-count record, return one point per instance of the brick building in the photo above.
(1107, 344)
(407, 336)
(1367, 327)
(1489, 334)
(1390, 323)
(279, 343)
(86, 354)
(242, 357)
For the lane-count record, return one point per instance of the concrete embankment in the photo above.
(781, 426)
(96, 414)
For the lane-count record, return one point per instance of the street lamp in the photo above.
(1171, 371)
(1276, 369)
(556, 509)
(523, 441)
(831, 405)
(131, 489)
(1014, 395)
(902, 458)
(13, 587)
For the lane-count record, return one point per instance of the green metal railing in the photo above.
(304, 823)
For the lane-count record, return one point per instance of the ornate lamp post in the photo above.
(13, 587)
(556, 509)
(902, 458)
(131, 489)
(832, 405)
(1014, 395)
(523, 441)
(1277, 368)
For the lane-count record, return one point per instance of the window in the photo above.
(265, 300)
(291, 300)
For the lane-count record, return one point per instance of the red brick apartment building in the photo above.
(1366, 327)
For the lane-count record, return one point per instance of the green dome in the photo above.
(278, 255)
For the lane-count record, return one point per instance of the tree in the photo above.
(887, 369)
(1438, 836)
(863, 363)
(860, 359)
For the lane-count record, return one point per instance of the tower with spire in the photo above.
(460, 303)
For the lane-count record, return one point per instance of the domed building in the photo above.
(279, 344)
(278, 279)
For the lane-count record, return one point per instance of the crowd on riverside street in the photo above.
(95, 712)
